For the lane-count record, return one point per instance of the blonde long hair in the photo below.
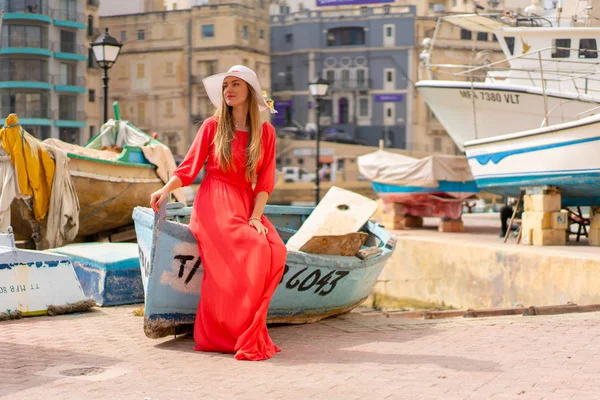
(225, 134)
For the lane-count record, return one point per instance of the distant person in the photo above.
(242, 254)
(325, 173)
(506, 213)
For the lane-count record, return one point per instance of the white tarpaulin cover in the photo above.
(392, 168)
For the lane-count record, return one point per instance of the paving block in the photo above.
(549, 237)
(560, 220)
(594, 237)
(455, 225)
(536, 220)
(542, 202)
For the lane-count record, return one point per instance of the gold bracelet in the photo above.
(251, 218)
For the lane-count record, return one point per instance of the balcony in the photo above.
(30, 10)
(64, 83)
(93, 3)
(349, 85)
(69, 118)
(92, 32)
(25, 78)
(23, 45)
(29, 115)
(71, 51)
(69, 19)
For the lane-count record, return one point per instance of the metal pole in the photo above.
(317, 181)
(545, 121)
(105, 80)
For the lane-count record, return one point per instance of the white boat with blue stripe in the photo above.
(564, 155)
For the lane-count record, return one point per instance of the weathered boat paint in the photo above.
(30, 281)
(313, 286)
(108, 272)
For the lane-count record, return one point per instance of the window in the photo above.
(261, 3)
(437, 144)
(494, 37)
(345, 37)
(346, 77)
(123, 36)
(561, 48)
(92, 131)
(24, 36)
(67, 41)
(68, 10)
(14, 69)
(360, 79)
(27, 105)
(91, 95)
(363, 107)
(207, 68)
(245, 34)
(326, 107)
(389, 112)
(465, 34)
(330, 76)
(482, 36)
(169, 108)
(67, 107)
(141, 34)
(141, 71)
(301, 161)
(69, 135)
(510, 42)
(389, 76)
(588, 48)
(141, 112)
(261, 34)
(388, 35)
(208, 31)
(67, 74)
(169, 68)
(90, 26)
(289, 38)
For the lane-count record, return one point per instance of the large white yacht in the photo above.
(549, 76)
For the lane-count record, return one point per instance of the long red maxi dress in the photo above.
(242, 268)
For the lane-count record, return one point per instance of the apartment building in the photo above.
(365, 54)
(157, 78)
(43, 66)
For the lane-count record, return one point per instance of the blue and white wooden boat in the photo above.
(564, 155)
(109, 273)
(313, 286)
(30, 281)
(434, 186)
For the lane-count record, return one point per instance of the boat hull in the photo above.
(32, 281)
(107, 191)
(443, 201)
(108, 272)
(312, 287)
(500, 109)
(565, 155)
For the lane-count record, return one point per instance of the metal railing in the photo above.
(349, 13)
(68, 15)
(70, 47)
(61, 79)
(92, 32)
(25, 6)
(26, 112)
(352, 84)
(23, 41)
(94, 3)
(30, 71)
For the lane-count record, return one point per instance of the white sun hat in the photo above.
(214, 86)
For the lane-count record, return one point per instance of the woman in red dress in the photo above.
(242, 254)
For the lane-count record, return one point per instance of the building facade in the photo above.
(43, 66)
(365, 54)
(93, 97)
(157, 78)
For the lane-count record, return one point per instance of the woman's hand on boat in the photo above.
(157, 198)
(260, 228)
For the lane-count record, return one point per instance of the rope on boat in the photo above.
(79, 306)
(107, 178)
(6, 316)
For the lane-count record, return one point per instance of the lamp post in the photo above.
(318, 90)
(106, 50)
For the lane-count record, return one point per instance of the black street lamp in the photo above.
(106, 50)
(318, 90)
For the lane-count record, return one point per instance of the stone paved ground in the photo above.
(357, 356)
